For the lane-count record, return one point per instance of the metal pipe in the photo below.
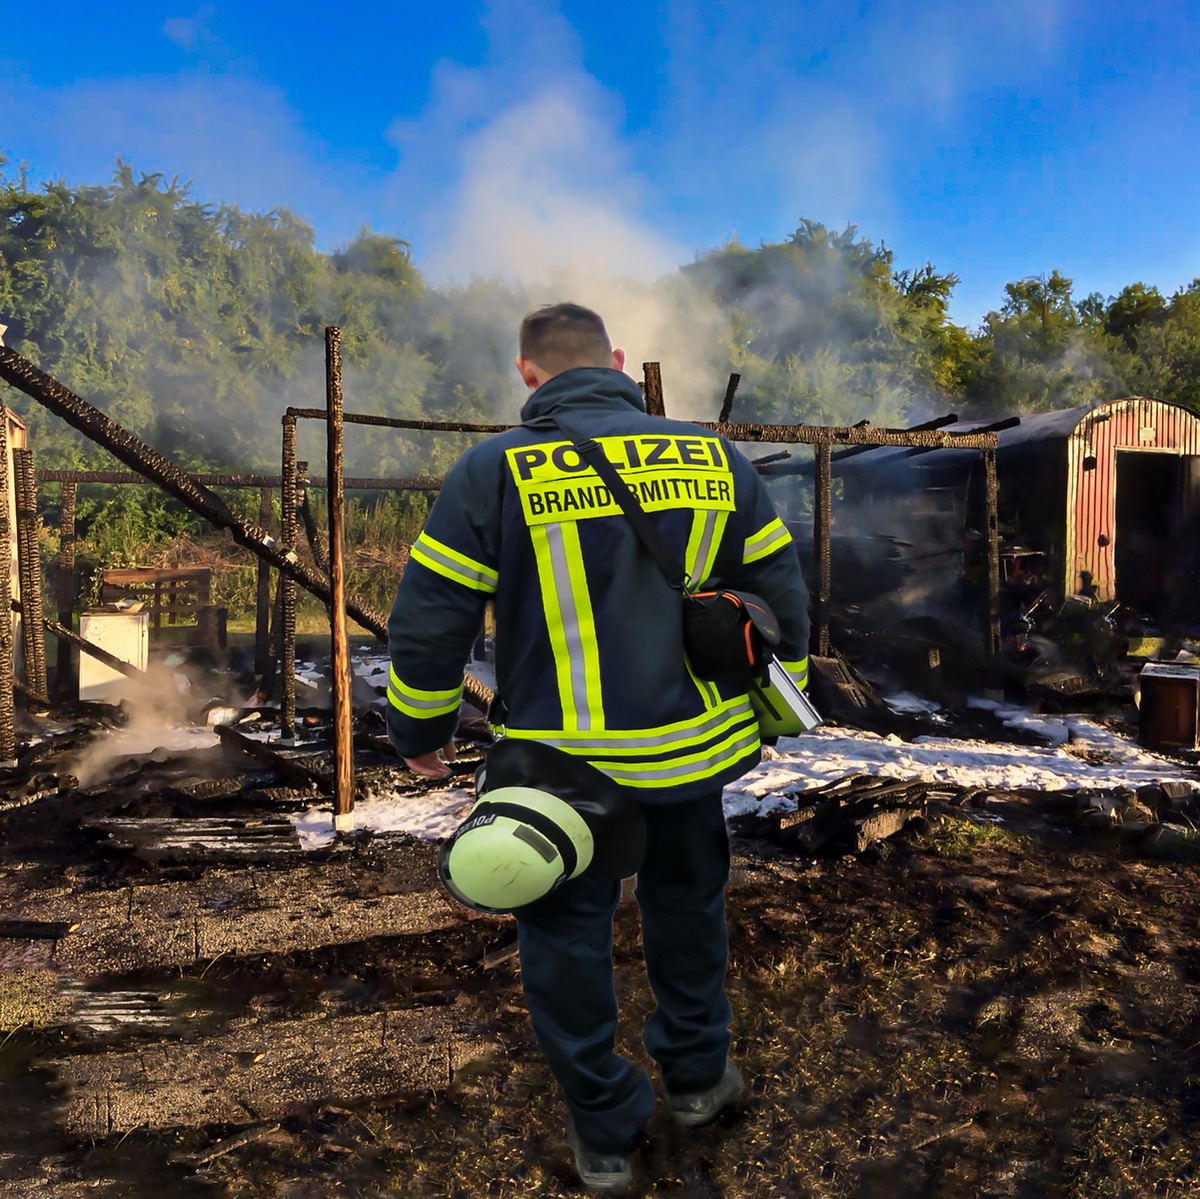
(822, 520)
(8, 715)
(29, 568)
(343, 732)
(64, 589)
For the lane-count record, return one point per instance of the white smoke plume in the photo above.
(546, 198)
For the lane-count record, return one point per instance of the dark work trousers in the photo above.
(567, 975)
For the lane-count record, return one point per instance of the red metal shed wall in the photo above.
(1146, 426)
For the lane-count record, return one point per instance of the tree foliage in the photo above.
(197, 324)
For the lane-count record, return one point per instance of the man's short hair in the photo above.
(561, 336)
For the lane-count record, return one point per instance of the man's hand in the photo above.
(433, 764)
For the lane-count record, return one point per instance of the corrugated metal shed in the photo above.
(1134, 426)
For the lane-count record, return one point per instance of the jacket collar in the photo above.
(597, 386)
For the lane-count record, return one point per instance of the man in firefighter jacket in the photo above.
(590, 659)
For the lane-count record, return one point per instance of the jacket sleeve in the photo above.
(770, 567)
(451, 573)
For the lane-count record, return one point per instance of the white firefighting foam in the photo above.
(802, 763)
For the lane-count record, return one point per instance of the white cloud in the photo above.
(188, 33)
(237, 139)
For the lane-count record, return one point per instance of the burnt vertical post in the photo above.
(287, 585)
(822, 519)
(652, 389)
(991, 497)
(727, 402)
(343, 739)
(8, 719)
(64, 589)
(29, 568)
(262, 594)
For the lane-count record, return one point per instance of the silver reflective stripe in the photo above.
(702, 550)
(693, 736)
(620, 772)
(467, 571)
(564, 589)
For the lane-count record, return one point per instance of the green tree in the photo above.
(823, 328)
(1039, 352)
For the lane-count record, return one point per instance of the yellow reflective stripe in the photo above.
(453, 565)
(584, 644)
(555, 626)
(701, 549)
(419, 703)
(767, 540)
(797, 671)
(708, 691)
(674, 770)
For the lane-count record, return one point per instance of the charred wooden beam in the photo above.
(287, 586)
(1009, 422)
(767, 459)
(208, 839)
(262, 595)
(312, 534)
(36, 930)
(846, 436)
(822, 519)
(837, 435)
(20, 373)
(8, 719)
(727, 402)
(351, 483)
(343, 739)
(652, 389)
(392, 422)
(939, 422)
(29, 567)
(64, 588)
(30, 695)
(991, 493)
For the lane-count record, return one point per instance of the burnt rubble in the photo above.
(175, 954)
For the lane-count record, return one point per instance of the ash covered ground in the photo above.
(203, 994)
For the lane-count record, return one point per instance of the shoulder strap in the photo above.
(589, 450)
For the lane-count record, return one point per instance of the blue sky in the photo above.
(998, 140)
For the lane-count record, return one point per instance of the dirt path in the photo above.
(967, 1014)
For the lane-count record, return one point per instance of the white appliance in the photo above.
(126, 635)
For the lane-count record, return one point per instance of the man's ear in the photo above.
(528, 372)
(618, 360)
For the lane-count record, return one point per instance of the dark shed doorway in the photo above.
(1156, 542)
